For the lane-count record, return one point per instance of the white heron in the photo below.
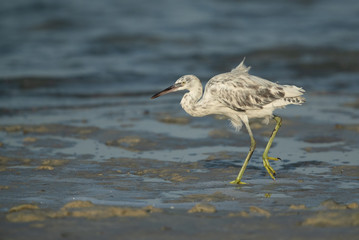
(240, 97)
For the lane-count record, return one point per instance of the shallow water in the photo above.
(77, 158)
(76, 121)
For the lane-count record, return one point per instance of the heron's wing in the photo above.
(242, 92)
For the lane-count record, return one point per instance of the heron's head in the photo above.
(183, 83)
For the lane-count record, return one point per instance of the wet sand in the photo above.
(144, 169)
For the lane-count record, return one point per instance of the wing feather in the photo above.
(241, 91)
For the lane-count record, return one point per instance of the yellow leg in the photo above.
(249, 155)
(270, 170)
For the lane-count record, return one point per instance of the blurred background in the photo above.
(116, 46)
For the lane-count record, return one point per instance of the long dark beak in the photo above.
(170, 89)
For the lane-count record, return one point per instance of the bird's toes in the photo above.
(273, 158)
(237, 182)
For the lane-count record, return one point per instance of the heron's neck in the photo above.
(191, 101)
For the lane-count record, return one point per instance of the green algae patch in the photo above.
(168, 119)
(203, 208)
(259, 211)
(333, 205)
(214, 197)
(76, 209)
(132, 143)
(346, 170)
(333, 219)
(23, 207)
(351, 127)
(63, 130)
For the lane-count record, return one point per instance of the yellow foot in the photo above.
(270, 170)
(237, 182)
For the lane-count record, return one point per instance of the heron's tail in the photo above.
(295, 100)
(293, 94)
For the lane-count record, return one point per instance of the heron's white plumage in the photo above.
(237, 94)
